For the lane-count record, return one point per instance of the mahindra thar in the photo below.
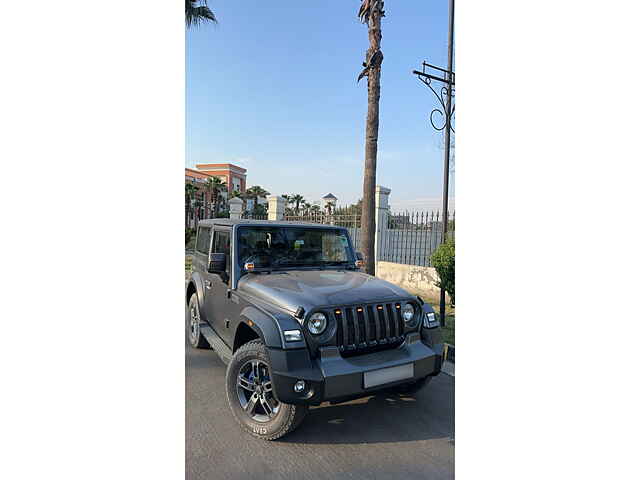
(287, 309)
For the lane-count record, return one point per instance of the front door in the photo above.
(219, 305)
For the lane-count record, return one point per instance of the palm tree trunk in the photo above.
(371, 147)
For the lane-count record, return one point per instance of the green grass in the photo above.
(449, 330)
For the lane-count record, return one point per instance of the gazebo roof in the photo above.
(329, 196)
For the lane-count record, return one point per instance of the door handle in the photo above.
(207, 283)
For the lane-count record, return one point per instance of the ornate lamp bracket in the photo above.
(427, 76)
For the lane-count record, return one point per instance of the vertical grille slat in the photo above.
(362, 318)
(400, 321)
(384, 320)
(345, 329)
(356, 327)
(365, 328)
(393, 331)
(374, 317)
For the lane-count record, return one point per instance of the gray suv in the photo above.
(286, 307)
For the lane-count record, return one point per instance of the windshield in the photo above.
(273, 247)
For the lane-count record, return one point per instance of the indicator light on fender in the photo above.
(292, 335)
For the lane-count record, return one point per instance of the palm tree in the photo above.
(196, 12)
(371, 13)
(315, 210)
(256, 192)
(214, 186)
(189, 194)
(296, 200)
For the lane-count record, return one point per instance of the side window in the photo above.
(221, 245)
(204, 237)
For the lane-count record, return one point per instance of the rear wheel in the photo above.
(252, 398)
(196, 339)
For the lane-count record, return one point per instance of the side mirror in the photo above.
(217, 263)
(359, 256)
(359, 260)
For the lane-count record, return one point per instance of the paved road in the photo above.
(386, 436)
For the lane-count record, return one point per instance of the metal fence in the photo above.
(254, 216)
(407, 237)
(411, 237)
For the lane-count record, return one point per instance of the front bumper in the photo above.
(329, 377)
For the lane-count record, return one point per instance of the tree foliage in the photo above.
(197, 12)
(444, 261)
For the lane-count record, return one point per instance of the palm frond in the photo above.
(197, 12)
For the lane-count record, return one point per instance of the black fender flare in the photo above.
(196, 281)
(263, 324)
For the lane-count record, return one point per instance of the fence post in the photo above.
(276, 207)
(382, 218)
(235, 208)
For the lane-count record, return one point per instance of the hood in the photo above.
(311, 288)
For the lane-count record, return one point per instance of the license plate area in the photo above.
(388, 375)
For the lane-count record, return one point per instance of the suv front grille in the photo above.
(368, 328)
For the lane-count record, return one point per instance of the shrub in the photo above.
(189, 234)
(444, 261)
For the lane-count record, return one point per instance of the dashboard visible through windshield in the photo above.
(285, 247)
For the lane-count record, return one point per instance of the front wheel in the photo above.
(251, 396)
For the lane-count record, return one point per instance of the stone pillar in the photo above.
(235, 208)
(276, 207)
(382, 218)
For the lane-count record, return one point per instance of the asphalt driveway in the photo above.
(378, 437)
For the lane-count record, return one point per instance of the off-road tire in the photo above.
(197, 340)
(288, 417)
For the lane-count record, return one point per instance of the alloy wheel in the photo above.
(255, 391)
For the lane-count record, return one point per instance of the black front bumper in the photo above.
(329, 377)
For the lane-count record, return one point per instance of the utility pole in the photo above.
(445, 99)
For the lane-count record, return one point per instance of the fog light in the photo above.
(299, 386)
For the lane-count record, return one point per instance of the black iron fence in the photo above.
(411, 237)
(254, 216)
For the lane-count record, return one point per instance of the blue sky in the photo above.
(273, 88)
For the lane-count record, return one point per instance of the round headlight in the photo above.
(407, 312)
(317, 323)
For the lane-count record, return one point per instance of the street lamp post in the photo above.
(428, 74)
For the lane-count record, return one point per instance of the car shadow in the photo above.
(384, 417)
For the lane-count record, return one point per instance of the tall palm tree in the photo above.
(197, 12)
(214, 186)
(296, 200)
(189, 195)
(256, 192)
(371, 13)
